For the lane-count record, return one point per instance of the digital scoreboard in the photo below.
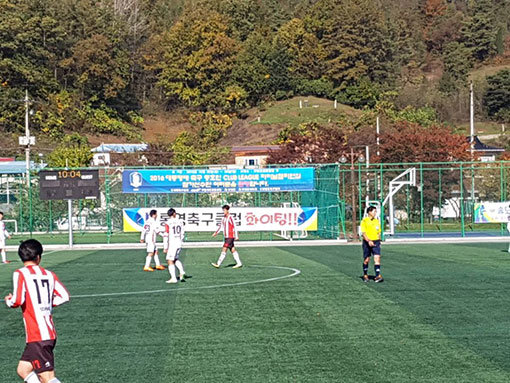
(68, 184)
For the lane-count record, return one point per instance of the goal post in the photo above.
(408, 177)
(290, 235)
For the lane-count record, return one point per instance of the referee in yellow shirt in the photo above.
(371, 232)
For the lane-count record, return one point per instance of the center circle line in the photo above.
(295, 272)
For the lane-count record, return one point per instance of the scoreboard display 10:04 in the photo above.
(68, 184)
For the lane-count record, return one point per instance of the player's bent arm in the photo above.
(60, 293)
(17, 298)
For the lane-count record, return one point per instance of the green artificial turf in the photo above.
(440, 316)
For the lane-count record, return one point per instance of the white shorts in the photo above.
(151, 247)
(173, 253)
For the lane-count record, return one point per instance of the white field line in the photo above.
(245, 244)
(294, 273)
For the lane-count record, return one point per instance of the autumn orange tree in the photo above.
(311, 143)
(412, 143)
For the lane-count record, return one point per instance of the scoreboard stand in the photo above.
(69, 185)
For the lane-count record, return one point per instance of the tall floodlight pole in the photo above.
(367, 157)
(377, 130)
(472, 118)
(27, 137)
(472, 138)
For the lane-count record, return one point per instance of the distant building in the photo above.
(18, 167)
(12, 173)
(102, 152)
(255, 155)
(485, 152)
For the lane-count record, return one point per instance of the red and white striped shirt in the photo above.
(228, 227)
(37, 291)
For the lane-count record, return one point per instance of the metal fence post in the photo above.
(30, 212)
(462, 223)
(108, 210)
(440, 199)
(421, 200)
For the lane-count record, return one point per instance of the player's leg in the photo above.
(48, 377)
(170, 258)
(221, 258)
(377, 262)
(148, 258)
(179, 264)
(156, 260)
(26, 372)
(367, 252)
(235, 254)
(3, 253)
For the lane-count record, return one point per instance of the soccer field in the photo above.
(292, 314)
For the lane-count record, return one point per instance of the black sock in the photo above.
(365, 269)
(377, 269)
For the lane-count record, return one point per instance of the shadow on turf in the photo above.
(370, 277)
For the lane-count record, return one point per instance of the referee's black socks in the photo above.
(377, 269)
(365, 269)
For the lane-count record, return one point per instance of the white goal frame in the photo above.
(408, 177)
(287, 234)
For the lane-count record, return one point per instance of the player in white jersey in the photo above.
(174, 229)
(36, 290)
(149, 235)
(3, 235)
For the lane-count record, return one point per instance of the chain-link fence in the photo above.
(440, 204)
(101, 220)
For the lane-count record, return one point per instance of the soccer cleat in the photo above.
(365, 278)
(215, 265)
(160, 267)
(6, 262)
(238, 266)
(148, 269)
(172, 281)
(378, 279)
(182, 276)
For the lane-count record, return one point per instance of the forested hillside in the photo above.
(100, 67)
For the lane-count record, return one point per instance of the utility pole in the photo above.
(472, 119)
(472, 142)
(377, 130)
(27, 137)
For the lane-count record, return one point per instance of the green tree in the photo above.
(197, 60)
(356, 40)
(101, 68)
(497, 96)
(306, 56)
(479, 30)
(73, 151)
(29, 39)
(457, 64)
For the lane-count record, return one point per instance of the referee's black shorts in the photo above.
(369, 250)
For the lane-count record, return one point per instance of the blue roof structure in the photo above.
(120, 148)
(18, 167)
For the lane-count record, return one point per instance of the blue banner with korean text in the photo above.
(217, 180)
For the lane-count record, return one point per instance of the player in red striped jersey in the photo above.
(228, 227)
(36, 291)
